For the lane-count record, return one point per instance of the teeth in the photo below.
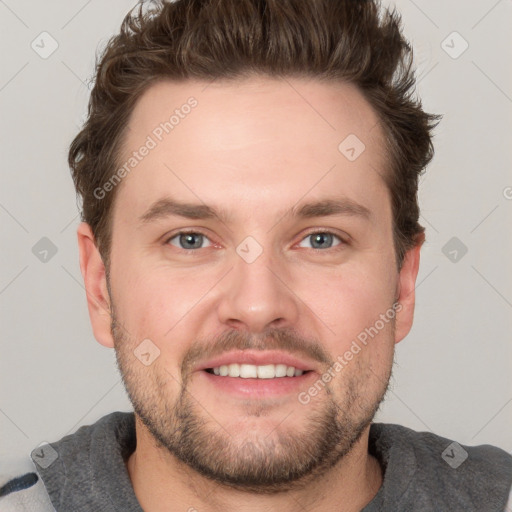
(251, 371)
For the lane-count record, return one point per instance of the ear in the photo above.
(406, 290)
(93, 273)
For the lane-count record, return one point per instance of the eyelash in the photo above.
(343, 242)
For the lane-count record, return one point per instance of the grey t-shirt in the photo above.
(422, 471)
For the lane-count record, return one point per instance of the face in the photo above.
(287, 258)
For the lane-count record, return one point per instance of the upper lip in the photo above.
(258, 358)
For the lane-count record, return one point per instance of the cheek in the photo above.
(348, 300)
(142, 300)
(160, 303)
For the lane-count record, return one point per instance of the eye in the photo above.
(188, 240)
(321, 240)
(192, 240)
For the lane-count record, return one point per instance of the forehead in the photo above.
(255, 142)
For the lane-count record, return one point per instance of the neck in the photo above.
(163, 483)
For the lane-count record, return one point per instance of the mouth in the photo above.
(251, 371)
(257, 364)
(256, 381)
(253, 374)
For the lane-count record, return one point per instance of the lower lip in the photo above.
(259, 388)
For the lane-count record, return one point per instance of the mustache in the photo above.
(287, 340)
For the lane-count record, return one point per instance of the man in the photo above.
(250, 247)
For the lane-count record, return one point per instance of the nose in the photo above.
(258, 295)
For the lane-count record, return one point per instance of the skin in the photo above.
(255, 148)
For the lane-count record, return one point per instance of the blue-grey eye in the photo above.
(321, 240)
(189, 240)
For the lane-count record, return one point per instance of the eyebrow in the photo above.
(168, 207)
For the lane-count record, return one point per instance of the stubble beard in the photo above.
(285, 460)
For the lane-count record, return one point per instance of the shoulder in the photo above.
(447, 453)
(22, 490)
(30, 483)
(442, 467)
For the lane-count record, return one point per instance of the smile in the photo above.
(250, 371)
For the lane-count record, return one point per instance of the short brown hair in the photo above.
(352, 41)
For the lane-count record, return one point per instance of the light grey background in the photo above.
(453, 371)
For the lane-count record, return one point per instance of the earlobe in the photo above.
(93, 273)
(406, 290)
